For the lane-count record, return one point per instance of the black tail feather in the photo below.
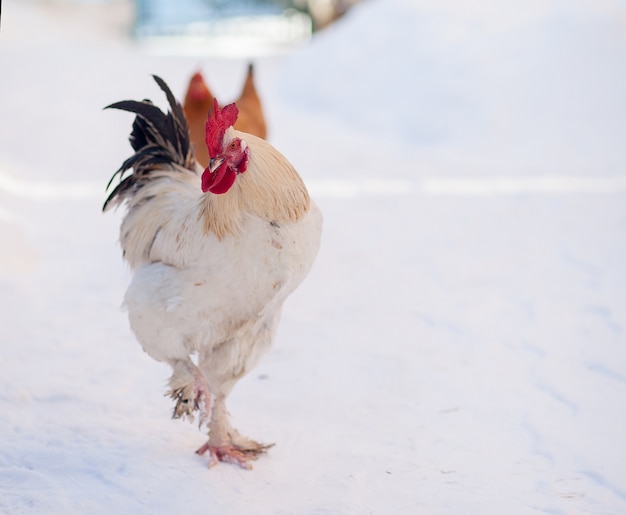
(157, 138)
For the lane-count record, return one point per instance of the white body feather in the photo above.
(228, 290)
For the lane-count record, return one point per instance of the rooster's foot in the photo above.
(190, 397)
(233, 454)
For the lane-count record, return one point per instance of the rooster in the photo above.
(214, 254)
(199, 101)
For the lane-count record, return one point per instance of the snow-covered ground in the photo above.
(459, 347)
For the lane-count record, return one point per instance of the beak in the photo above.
(214, 163)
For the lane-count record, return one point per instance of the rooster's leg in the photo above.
(189, 388)
(226, 444)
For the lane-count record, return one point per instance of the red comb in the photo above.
(216, 125)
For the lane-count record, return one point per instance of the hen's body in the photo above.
(211, 272)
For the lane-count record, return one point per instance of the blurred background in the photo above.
(264, 21)
(204, 27)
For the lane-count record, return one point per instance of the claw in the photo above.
(185, 405)
(190, 398)
(232, 454)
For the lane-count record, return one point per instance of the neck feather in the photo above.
(270, 189)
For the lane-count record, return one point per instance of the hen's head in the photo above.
(228, 153)
(198, 91)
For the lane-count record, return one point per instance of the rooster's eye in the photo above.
(233, 145)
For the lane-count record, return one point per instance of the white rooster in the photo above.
(214, 255)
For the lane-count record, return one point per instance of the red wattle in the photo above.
(219, 181)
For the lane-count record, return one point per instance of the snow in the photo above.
(459, 346)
